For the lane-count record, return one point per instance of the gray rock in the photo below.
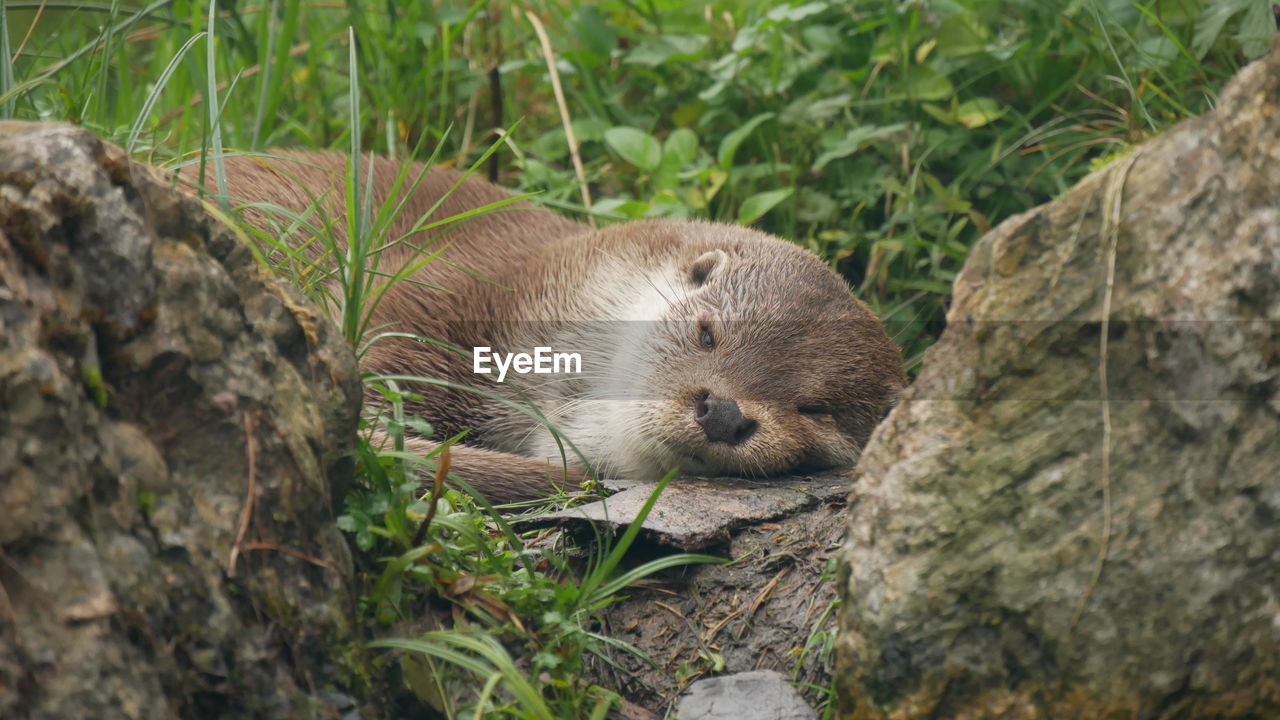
(993, 569)
(696, 513)
(758, 695)
(156, 387)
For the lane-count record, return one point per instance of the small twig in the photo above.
(30, 29)
(671, 610)
(1111, 204)
(495, 115)
(761, 597)
(711, 634)
(246, 512)
(443, 461)
(549, 56)
(255, 545)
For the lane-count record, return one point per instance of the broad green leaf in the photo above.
(683, 144)
(978, 112)
(754, 207)
(594, 31)
(961, 35)
(1257, 28)
(794, 14)
(588, 129)
(635, 146)
(853, 141)
(630, 209)
(659, 50)
(816, 111)
(924, 83)
(729, 145)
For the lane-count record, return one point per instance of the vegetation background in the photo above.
(884, 135)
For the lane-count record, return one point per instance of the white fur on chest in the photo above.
(611, 325)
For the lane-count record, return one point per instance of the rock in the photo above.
(758, 695)
(696, 513)
(998, 564)
(174, 429)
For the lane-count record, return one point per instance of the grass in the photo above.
(885, 136)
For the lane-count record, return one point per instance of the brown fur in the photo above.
(789, 333)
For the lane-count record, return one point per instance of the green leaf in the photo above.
(960, 35)
(815, 111)
(1257, 28)
(594, 31)
(757, 205)
(794, 14)
(1211, 21)
(683, 144)
(944, 115)
(629, 209)
(665, 47)
(924, 83)
(729, 145)
(635, 146)
(978, 112)
(815, 206)
(853, 141)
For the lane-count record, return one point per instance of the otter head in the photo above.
(763, 363)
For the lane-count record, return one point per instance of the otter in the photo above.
(712, 348)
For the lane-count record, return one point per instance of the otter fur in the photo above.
(709, 347)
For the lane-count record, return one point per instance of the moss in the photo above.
(94, 385)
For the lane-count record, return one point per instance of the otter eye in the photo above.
(813, 410)
(704, 337)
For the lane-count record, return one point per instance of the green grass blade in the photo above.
(160, 85)
(483, 656)
(598, 574)
(267, 36)
(605, 590)
(211, 101)
(6, 66)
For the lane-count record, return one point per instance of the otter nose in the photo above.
(722, 420)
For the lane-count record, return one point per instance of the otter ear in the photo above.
(706, 264)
